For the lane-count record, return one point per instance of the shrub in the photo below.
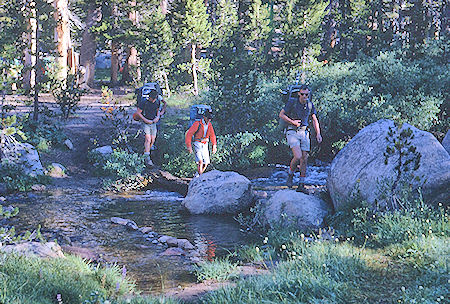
(67, 94)
(16, 179)
(119, 164)
(44, 133)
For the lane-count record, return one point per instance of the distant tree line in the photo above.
(187, 43)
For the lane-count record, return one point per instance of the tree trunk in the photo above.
(29, 71)
(132, 61)
(114, 63)
(194, 70)
(166, 83)
(62, 36)
(88, 47)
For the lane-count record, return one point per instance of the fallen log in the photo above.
(165, 180)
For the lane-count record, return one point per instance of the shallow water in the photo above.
(84, 219)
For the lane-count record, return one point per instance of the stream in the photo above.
(82, 219)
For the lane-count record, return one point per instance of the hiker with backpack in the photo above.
(149, 112)
(202, 131)
(296, 114)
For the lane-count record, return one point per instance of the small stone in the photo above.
(145, 230)
(165, 238)
(38, 187)
(2, 198)
(132, 225)
(155, 242)
(185, 244)
(68, 144)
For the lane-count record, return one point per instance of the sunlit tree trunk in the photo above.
(29, 77)
(166, 83)
(194, 69)
(62, 36)
(132, 61)
(114, 63)
(88, 46)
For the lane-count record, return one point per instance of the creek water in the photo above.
(82, 219)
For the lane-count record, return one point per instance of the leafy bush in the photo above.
(16, 179)
(67, 94)
(44, 133)
(350, 96)
(119, 164)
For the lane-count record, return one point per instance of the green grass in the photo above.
(34, 280)
(218, 270)
(181, 101)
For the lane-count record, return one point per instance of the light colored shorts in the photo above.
(299, 138)
(150, 129)
(201, 152)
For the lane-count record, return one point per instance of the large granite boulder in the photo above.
(26, 156)
(217, 192)
(361, 165)
(446, 142)
(291, 207)
(43, 250)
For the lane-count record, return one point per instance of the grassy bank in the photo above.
(402, 258)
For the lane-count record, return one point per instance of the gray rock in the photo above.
(38, 188)
(155, 242)
(29, 159)
(68, 144)
(125, 222)
(166, 239)
(103, 150)
(145, 230)
(217, 192)
(185, 244)
(446, 142)
(56, 170)
(172, 242)
(360, 164)
(173, 251)
(291, 207)
(43, 250)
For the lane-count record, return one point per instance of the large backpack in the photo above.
(287, 96)
(142, 92)
(195, 114)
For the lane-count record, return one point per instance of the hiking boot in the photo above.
(289, 182)
(302, 188)
(149, 162)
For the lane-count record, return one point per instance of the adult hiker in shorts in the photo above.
(202, 131)
(148, 111)
(296, 114)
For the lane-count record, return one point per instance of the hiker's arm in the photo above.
(315, 123)
(145, 120)
(163, 110)
(189, 134)
(284, 117)
(213, 139)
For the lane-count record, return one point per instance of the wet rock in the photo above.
(56, 170)
(43, 250)
(280, 175)
(152, 234)
(168, 181)
(68, 144)
(173, 251)
(185, 244)
(131, 225)
(38, 188)
(165, 239)
(361, 165)
(289, 206)
(105, 150)
(217, 192)
(145, 230)
(125, 222)
(172, 242)
(155, 242)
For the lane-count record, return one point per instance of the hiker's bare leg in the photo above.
(200, 167)
(303, 163)
(297, 155)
